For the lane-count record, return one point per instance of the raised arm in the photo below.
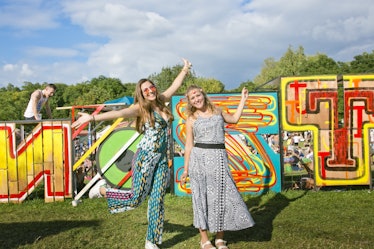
(168, 93)
(129, 112)
(234, 118)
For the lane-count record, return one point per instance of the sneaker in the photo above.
(95, 190)
(150, 245)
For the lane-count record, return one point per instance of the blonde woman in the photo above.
(217, 204)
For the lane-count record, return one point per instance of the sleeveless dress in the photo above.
(217, 204)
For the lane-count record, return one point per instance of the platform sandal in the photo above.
(202, 245)
(221, 241)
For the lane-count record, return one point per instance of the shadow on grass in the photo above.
(183, 233)
(263, 215)
(14, 235)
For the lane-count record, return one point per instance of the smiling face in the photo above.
(196, 98)
(149, 90)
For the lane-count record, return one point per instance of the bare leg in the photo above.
(204, 239)
(219, 242)
(103, 191)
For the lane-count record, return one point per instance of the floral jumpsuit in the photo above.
(149, 177)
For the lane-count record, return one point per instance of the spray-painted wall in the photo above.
(337, 111)
(43, 155)
(254, 164)
(341, 146)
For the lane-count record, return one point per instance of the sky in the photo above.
(69, 41)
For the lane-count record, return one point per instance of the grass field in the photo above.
(338, 218)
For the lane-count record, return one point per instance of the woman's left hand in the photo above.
(244, 93)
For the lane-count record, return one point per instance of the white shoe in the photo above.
(95, 190)
(150, 245)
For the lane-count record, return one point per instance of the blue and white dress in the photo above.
(217, 204)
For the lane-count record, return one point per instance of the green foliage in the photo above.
(167, 75)
(248, 84)
(269, 71)
(363, 63)
(295, 62)
(319, 64)
(209, 85)
(98, 90)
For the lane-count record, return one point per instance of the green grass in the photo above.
(291, 219)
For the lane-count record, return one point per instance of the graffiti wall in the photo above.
(44, 154)
(339, 113)
(253, 160)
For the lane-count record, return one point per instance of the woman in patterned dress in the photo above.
(150, 164)
(217, 204)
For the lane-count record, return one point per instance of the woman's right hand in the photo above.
(84, 118)
(184, 178)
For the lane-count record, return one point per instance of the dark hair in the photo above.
(52, 86)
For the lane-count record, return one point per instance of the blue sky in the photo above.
(69, 41)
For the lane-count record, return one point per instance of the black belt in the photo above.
(210, 146)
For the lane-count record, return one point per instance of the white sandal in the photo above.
(205, 244)
(224, 246)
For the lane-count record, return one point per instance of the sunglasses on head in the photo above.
(148, 89)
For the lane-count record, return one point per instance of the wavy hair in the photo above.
(147, 107)
(207, 103)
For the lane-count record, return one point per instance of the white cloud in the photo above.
(225, 39)
(8, 67)
(26, 70)
(51, 52)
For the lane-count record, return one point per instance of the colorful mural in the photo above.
(334, 115)
(339, 112)
(254, 164)
(43, 154)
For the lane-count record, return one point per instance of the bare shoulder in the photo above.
(190, 120)
(36, 94)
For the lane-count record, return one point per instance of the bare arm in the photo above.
(130, 112)
(35, 97)
(168, 93)
(187, 149)
(234, 118)
(48, 109)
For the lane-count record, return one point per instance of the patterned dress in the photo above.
(217, 204)
(149, 177)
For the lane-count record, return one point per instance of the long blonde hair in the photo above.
(147, 107)
(207, 103)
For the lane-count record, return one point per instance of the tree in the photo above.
(269, 71)
(130, 89)
(363, 63)
(292, 62)
(167, 75)
(319, 64)
(209, 85)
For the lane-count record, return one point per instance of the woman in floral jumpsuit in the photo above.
(150, 164)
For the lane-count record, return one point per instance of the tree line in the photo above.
(98, 90)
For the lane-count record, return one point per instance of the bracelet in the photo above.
(93, 118)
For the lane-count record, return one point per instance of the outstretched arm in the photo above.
(129, 112)
(234, 118)
(177, 81)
